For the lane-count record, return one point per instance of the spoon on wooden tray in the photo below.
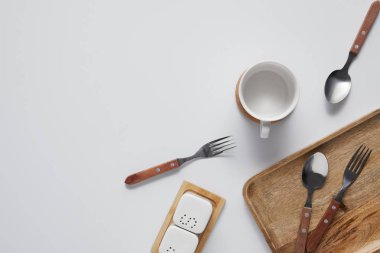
(313, 177)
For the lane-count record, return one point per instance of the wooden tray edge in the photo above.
(290, 158)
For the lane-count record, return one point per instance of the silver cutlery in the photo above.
(210, 149)
(314, 175)
(351, 173)
(338, 84)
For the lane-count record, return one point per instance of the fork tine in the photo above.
(221, 147)
(360, 168)
(218, 144)
(360, 159)
(357, 160)
(217, 153)
(353, 159)
(211, 142)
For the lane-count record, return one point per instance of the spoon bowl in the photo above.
(338, 86)
(314, 174)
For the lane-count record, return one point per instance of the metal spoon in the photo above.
(313, 177)
(338, 84)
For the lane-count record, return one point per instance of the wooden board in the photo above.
(217, 204)
(276, 196)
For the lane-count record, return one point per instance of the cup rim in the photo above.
(280, 116)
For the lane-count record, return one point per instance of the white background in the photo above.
(91, 91)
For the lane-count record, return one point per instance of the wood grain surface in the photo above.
(368, 22)
(152, 172)
(303, 230)
(276, 196)
(217, 204)
(316, 236)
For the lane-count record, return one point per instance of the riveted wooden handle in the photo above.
(372, 14)
(151, 172)
(316, 236)
(303, 230)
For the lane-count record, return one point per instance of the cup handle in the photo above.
(264, 129)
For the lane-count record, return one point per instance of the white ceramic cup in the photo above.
(267, 92)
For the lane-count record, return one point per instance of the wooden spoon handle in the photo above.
(303, 230)
(316, 236)
(372, 14)
(151, 172)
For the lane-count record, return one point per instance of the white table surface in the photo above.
(91, 91)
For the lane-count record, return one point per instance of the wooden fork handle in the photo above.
(372, 14)
(151, 172)
(323, 225)
(303, 230)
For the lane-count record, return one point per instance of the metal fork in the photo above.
(351, 173)
(210, 149)
(353, 170)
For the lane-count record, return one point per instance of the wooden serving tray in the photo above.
(217, 205)
(276, 196)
